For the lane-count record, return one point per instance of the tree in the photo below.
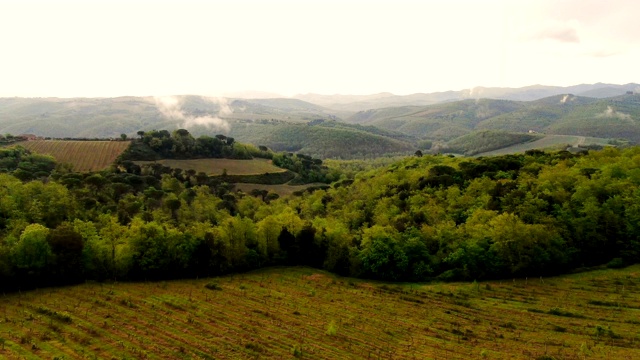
(268, 231)
(527, 249)
(113, 250)
(150, 249)
(32, 252)
(141, 134)
(123, 137)
(67, 247)
(173, 204)
(381, 254)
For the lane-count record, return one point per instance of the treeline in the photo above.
(414, 220)
(180, 144)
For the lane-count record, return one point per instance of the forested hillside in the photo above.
(617, 117)
(296, 125)
(416, 219)
(486, 140)
(110, 117)
(527, 93)
(327, 139)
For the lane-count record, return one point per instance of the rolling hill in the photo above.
(487, 140)
(547, 142)
(617, 117)
(527, 93)
(281, 124)
(327, 126)
(110, 117)
(326, 139)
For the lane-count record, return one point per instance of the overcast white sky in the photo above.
(115, 48)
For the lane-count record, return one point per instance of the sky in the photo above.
(161, 48)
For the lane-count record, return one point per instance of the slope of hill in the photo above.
(487, 140)
(548, 142)
(83, 155)
(395, 128)
(215, 167)
(445, 118)
(326, 139)
(617, 117)
(310, 314)
(527, 93)
(110, 117)
(82, 117)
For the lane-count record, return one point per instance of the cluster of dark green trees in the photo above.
(25, 165)
(416, 219)
(180, 144)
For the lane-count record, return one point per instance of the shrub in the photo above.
(296, 351)
(616, 263)
(332, 329)
(213, 286)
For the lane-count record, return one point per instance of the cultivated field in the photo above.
(280, 189)
(217, 166)
(549, 142)
(83, 155)
(283, 313)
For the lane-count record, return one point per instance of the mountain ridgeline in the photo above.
(616, 117)
(346, 127)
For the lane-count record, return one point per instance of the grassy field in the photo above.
(281, 189)
(83, 155)
(549, 142)
(282, 313)
(217, 166)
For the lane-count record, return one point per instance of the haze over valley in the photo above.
(369, 126)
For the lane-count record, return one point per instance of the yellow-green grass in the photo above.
(217, 166)
(280, 189)
(276, 313)
(83, 155)
(549, 142)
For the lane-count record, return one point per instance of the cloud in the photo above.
(171, 107)
(562, 33)
(603, 53)
(611, 113)
(549, 30)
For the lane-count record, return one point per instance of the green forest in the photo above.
(415, 219)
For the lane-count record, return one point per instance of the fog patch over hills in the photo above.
(171, 107)
(610, 113)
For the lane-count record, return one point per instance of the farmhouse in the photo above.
(28, 137)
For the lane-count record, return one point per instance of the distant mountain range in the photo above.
(528, 93)
(347, 126)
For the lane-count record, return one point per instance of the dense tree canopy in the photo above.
(413, 219)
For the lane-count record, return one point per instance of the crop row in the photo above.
(301, 312)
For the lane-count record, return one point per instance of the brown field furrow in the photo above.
(269, 313)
